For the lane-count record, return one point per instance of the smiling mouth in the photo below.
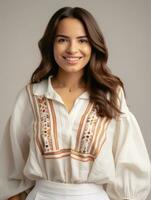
(74, 59)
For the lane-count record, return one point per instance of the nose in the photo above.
(72, 47)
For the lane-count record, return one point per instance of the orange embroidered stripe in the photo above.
(81, 158)
(72, 156)
(54, 125)
(96, 131)
(99, 138)
(56, 156)
(29, 89)
(68, 153)
(49, 130)
(82, 125)
(50, 135)
(97, 151)
(38, 126)
(104, 133)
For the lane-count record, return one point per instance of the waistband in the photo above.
(46, 186)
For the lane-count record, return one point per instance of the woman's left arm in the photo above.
(132, 164)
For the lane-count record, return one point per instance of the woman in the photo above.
(72, 134)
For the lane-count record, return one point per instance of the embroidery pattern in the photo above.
(89, 139)
(91, 134)
(45, 124)
(88, 132)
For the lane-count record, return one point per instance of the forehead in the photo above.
(71, 27)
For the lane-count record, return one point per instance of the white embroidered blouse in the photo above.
(47, 142)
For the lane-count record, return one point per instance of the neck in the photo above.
(69, 80)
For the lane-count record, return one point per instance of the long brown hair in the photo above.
(98, 77)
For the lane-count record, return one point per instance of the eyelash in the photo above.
(83, 40)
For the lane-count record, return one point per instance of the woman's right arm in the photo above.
(14, 149)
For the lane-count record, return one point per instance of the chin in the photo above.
(73, 70)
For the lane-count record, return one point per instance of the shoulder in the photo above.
(22, 106)
(23, 97)
(37, 88)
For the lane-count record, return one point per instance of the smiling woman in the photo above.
(72, 134)
(72, 50)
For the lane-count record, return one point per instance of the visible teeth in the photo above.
(72, 59)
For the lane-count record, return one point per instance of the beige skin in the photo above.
(69, 75)
(74, 44)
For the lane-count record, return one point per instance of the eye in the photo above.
(83, 41)
(61, 40)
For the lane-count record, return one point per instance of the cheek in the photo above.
(56, 51)
(87, 50)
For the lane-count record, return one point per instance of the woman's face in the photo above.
(72, 50)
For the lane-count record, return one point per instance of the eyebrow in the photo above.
(65, 36)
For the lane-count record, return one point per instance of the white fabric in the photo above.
(46, 190)
(113, 155)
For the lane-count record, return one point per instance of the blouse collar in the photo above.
(45, 88)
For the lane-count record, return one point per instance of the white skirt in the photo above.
(48, 190)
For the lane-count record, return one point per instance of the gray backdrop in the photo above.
(126, 27)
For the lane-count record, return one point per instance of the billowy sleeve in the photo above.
(14, 148)
(132, 164)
